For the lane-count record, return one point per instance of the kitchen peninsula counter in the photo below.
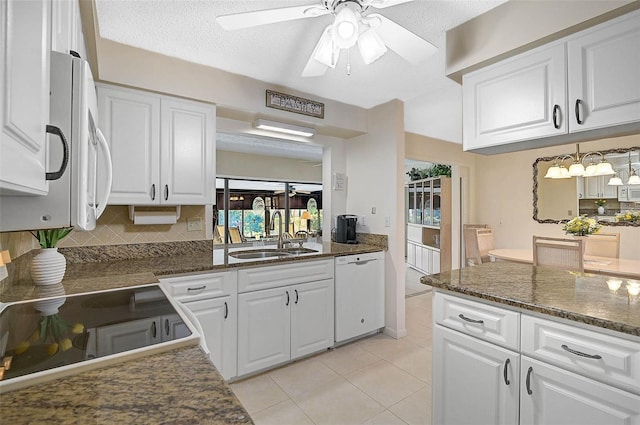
(176, 387)
(580, 297)
(107, 267)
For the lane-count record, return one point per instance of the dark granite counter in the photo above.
(581, 297)
(99, 268)
(175, 387)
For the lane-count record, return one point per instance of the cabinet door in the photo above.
(130, 121)
(264, 329)
(312, 306)
(426, 260)
(608, 192)
(420, 257)
(435, 262)
(411, 254)
(24, 93)
(551, 395)
(128, 336)
(604, 67)
(65, 26)
(474, 382)
(597, 187)
(218, 320)
(515, 99)
(188, 152)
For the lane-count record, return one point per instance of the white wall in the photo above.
(375, 167)
(437, 114)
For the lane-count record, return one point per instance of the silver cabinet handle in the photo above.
(287, 298)
(153, 329)
(504, 372)
(578, 103)
(297, 297)
(199, 288)
(153, 192)
(166, 327)
(529, 380)
(166, 192)
(466, 319)
(581, 354)
(226, 310)
(556, 123)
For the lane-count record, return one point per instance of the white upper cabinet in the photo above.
(163, 149)
(604, 65)
(521, 98)
(66, 28)
(551, 95)
(24, 94)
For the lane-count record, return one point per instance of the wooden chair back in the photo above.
(603, 245)
(558, 253)
(478, 243)
(234, 234)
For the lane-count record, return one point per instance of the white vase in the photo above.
(48, 267)
(601, 210)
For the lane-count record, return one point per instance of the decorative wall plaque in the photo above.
(294, 104)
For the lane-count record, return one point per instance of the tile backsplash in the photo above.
(113, 228)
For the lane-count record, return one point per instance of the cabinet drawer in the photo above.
(492, 324)
(201, 286)
(257, 278)
(600, 356)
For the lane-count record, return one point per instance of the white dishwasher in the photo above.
(359, 293)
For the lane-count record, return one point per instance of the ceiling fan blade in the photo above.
(381, 4)
(271, 16)
(314, 68)
(402, 41)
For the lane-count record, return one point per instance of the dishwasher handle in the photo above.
(362, 262)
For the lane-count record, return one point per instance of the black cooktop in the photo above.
(62, 330)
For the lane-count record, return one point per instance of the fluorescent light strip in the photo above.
(284, 128)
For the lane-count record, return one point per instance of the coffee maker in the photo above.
(346, 229)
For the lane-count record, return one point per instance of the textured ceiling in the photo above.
(277, 53)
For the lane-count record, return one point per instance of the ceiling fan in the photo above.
(292, 191)
(372, 32)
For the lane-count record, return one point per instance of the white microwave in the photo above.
(629, 193)
(79, 196)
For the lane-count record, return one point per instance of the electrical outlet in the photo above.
(387, 221)
(570, 213)
(373, 210)
(194, 224)
(361, 221)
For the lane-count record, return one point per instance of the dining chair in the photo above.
(478, 243)
(603, 245)
(558, 253)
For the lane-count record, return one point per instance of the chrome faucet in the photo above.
(273, 220)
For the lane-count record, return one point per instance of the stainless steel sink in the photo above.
(298, 251)
(270, 253)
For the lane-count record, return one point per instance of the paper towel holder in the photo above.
(157, 219)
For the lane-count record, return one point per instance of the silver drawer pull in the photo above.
(466, 319)
(581, 354)
(199, 288)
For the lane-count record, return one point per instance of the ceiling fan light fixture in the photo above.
(371, 46)
(345, 28)
(295, 130)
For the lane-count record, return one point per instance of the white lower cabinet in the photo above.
(554, 373)
(552, 395)
(423, 258)
(281, 324)
(475, 382)
(217, 317)
(211, 298)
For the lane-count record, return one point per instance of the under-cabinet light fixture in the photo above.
(296, 130)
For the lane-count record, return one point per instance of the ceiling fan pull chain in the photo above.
(348, 61)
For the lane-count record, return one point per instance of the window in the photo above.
(253, 205)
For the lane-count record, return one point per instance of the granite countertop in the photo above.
(176, 387)
(581, 297)
(100, 268)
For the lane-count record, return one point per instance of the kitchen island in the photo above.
(514, 343)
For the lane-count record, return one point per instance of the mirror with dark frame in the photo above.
(558, 200)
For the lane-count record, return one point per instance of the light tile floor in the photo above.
(412, 282)
(375, 380)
